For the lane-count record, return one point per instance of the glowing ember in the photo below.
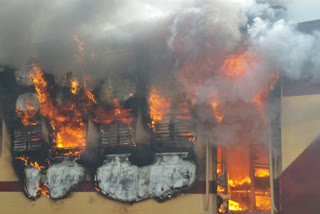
(158, 105)
(217, 113)
(186, 134)
(117, 109)
(43, 189)
(27, 162)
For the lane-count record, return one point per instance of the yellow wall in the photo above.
(300, 125)
(93, 203)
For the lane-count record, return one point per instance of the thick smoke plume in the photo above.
(43, 31)
(230, 53)
(220, 54)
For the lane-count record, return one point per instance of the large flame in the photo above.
(235, 68)
(158, 105)
(66, 120)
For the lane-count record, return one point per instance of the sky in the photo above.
(303, 10)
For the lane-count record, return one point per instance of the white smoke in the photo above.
(203, 37)
(295, 53)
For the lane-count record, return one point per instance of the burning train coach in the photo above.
(49, 135)
(56, 163)
(205, 109)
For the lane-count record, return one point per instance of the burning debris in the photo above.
(118, 179)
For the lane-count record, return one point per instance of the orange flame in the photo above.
(158, 105)
(66, 120)
(235, 65)
(117, 114)
(263, 202)
(221, 189)
(261, 173)
(26, 117)
(27, 162)
(43, 189)
(234, 206)
(235, 183)
(90, 96)
(261, 97)
(217, 113)
(40, 84)
(74, 86)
